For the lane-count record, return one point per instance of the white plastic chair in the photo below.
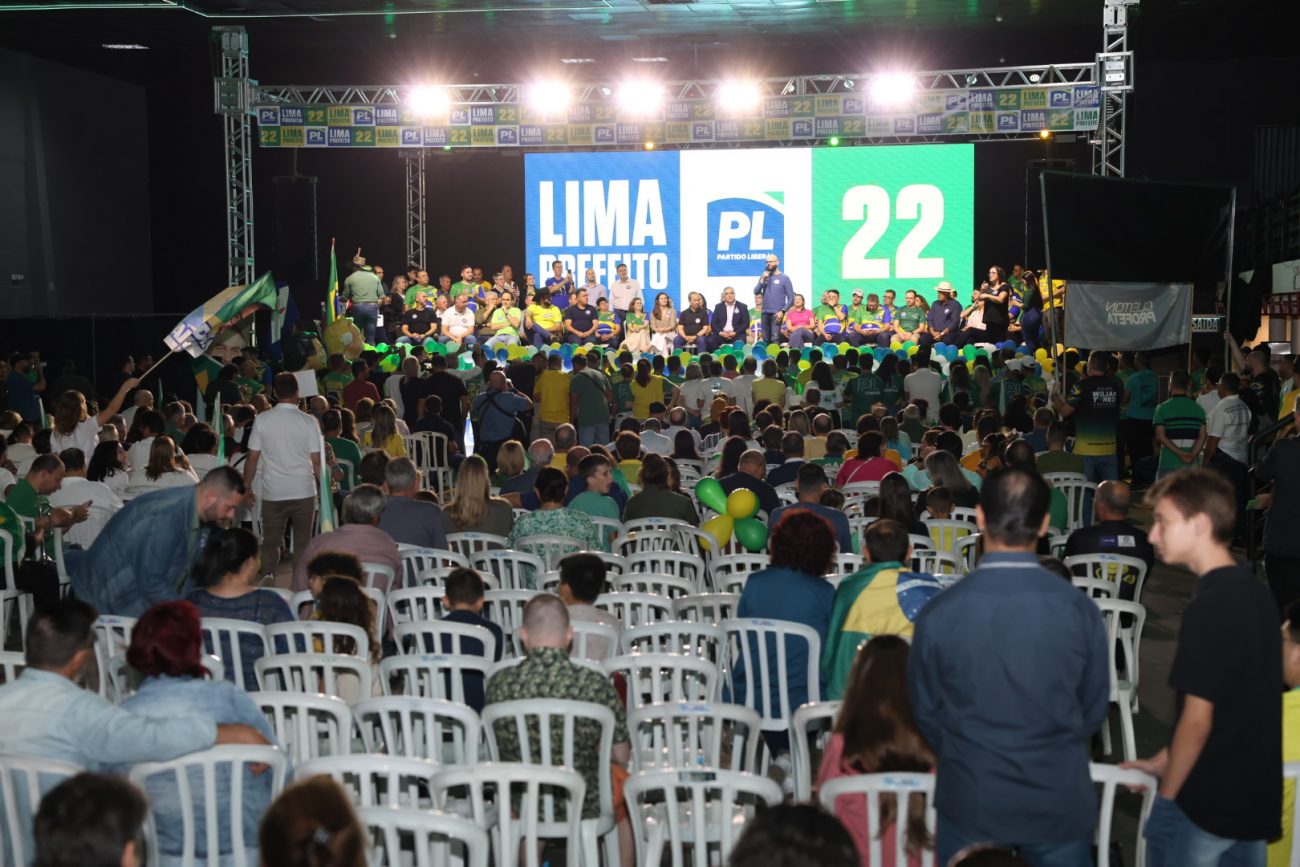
(11, 598)
(549, 549)
(614, 564)
(317, 636)
(222, 637)
(445, 732)
(556, 720)
(1097, 588)
(862, 489)
(846, 563)
(1123, 691)
(637, 525)
(415, 604)
(505, 608)
(918, 541)
(706, 607)
(302, 604)
(704, 809)
(432, 675)
(945, 533)
(967, 551)
(1290, 777)
(376, 781)
(446, 636)
(607, 531)
(810, 730)
(703, 640)
(112, 638)
(766, 667)
(634, 609)
(1078, 493)
(197, 800)
(314, 673)
(963, 513)
(469, 544)
(592, 640)
(656, 678)
(1119, 569)
(903, 787)
(1056, 545)
(931, 562)
(634, 543)
(655, 583)
(380, 576)
(307, 726)
(436, 577)
(416, 560)
(12, 663)
(24, 780)
(694, 734)
(549, 806)
(418, 838)
(1111, 778)
(668, 563)
(513, 570)
(726, 566)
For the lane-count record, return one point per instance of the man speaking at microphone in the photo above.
(778, 297)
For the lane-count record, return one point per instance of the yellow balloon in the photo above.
(742, 503)
(1040, 354)
(719, 529)
(805, 364)
(911, 350)
(842, 346)
(895, 345)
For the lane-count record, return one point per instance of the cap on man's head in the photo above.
(857, 293)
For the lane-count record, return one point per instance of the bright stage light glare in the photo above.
(550, 96)
(892, 88)
(1044, 134)
(649, 145)
(738, 95)
(428, 100)
(640, 97)
(833, 141)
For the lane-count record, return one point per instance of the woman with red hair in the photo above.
(166, 648)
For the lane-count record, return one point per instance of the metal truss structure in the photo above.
(237, 94)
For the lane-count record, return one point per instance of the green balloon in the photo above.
(709, 492)
(752, 533)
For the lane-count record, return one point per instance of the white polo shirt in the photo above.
(104, 504)
(456, 323)
(286, 439)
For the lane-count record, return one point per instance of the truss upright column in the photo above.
(233, 91)
(1115, 76)
(415, 194)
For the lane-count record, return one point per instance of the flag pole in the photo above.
(169, 354)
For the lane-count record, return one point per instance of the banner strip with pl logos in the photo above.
(1059, 108)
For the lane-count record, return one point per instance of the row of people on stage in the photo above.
(497, 314)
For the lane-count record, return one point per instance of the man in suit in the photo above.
(730, 321)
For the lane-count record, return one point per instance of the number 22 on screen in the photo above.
(870, 205)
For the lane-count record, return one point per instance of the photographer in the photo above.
(495, 415)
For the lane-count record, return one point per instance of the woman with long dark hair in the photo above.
(732, 449)
(875, 732)
(663, 324)
(895, 503)
(108, 465)
(1031, 312)
(996, 295)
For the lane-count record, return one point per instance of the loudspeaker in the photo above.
(296, 259)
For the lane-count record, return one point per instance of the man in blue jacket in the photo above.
(730, 321)
(145, 553)
(1008, 681)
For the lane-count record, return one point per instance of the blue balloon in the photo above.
(760, 351)
(830, 350)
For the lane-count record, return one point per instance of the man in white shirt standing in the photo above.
(76, 490)
(286, 445)
(622, 291)
(1227, 429)
(923, 383)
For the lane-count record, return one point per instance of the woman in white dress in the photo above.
(663, 324)
(75, 428)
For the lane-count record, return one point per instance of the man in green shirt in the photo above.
(344, 449)
(871, 325)
(829, 316)
(1179, 425)
(863, 392)
(29, 498)
(365, 290)
(595, 502)
(589, 400)
(906, 321)
(466, 285)
(421, 284)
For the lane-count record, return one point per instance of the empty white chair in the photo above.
(376, 781)
(238, 644)
(635, 609)
(446, 636)
(186, 789)
(607, 531)
(655, 583)
(12, 663)
(1116, 568)
(810, 729)
(675, 636)
(918, 541)
(655, 678)
(307, 726)
(24, 781)
(445, 732)
(846, 563)
(11, 598)
(549, 549)
(706, 810)
(415, 604)
(549, 806)
(945, 533)
(469, 544)
(416, 559)
(112, 638)
(505, 608)
(1078, 493)
(432, 675)
(513, 570)
(725, 566)
(555, 721)
(668, 563)
(863, 489)
(706, 607)
(760, 650)
(637, 525)
(903, 787)
(380, 576)
(614, 564)
(435, 577)
(317, 636)
(592, 640)
(695, 541)
(327, 673)
(1123, 690)
(635, 542)
(418, 838)
(967, 551)
(1111, 778)
(932, 562)
(694, 734)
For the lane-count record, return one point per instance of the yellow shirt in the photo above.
(1279, 852)
(553, 396)
(772, 390)
(1288, 403)
(546, 316)
(643, 397)
(814, 448)
(396, 446)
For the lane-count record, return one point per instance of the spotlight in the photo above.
(1045, 134)
(892, 88)
(649, 145)
(737, 95)
(1035, 77)
(972, 79)
(640, 97)
(428, 100)
(833, 141)
(550, 96)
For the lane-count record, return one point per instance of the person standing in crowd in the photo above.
(552, 398)
(590, 399)
(622, 292)
(74, 427)
(26, 380)
(286, 445)
(1141, 394)
(1008, 680)
(1220, 794)
(559, 285)
(1093, 403)
(1179, 426)
(497, 409)
(364, 290)
(1227, 443)
(1281, 466)
(778, 297)
(451, 390)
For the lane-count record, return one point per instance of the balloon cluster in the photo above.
(735, 515)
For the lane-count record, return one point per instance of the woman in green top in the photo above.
(504, 324)
(551, 518)
(637, 335)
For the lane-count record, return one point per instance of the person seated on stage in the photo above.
(503, 323)
(608, 331)
(905, 323)
(580, 319)
(417, 322)
(544, 321)
(872, 320)
(458, 324)
(730, 320)
(830, 316)
(799, 323)
(693, 327)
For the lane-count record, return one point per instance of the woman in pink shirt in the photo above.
(874, 733)
(798, 326)
(870, 465)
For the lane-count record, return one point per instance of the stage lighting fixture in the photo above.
(1044, 134)
(972, 79)
(550, 96)
(640, 97)
(892, 88)
(1034, 77)
(833, 141)
(649, 145)
(428, 100)
(737, 95)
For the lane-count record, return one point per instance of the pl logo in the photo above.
(743, 233)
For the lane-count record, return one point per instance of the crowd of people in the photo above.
(997, 682)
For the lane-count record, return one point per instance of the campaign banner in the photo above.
(1128, 316)
(870, 218)
(1011, 110)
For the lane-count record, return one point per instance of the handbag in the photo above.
(37, 574)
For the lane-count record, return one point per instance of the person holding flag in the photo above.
(363, 290)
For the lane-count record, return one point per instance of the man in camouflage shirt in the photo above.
(547, 672)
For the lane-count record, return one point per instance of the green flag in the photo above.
(332, 288)
(325, 507)
(195, 332)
